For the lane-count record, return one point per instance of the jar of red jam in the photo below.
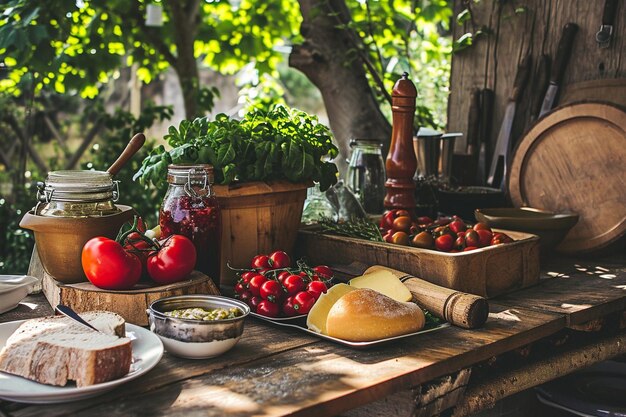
(190, 208)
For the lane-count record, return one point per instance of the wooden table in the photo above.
(274, 371)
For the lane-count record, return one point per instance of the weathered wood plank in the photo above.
(316, 378)
(582, 290)
(491, 61)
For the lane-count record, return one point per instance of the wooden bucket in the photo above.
(257, 218)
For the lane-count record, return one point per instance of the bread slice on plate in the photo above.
(55, 350)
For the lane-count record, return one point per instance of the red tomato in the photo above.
(499, 238)
(247, 276)
(459, 243)
(280, 259)
(293, 284)
(324, 272)
(173, 261)
(268, 309)
(303, 301)
(457, 226)
(255, 284)
(316, 288)
(261, 262)
(386, 222)
(444, 243)
(255, 300)
(239, 288)
(288, 309)
(282, 276)
(469, 248)
(272, 290)
(481, 226)
(107, 265)
(402, 224)
(245, 296)
(484, 237)
(472, 238)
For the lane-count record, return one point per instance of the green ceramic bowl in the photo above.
(550, 227)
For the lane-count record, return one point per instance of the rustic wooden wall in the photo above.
(492, 60)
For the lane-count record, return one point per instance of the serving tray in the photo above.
(299, 323)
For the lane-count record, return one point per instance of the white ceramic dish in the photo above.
(13, 289)
(198, 350)
(147, 351)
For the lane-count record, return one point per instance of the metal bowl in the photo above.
(196, 339)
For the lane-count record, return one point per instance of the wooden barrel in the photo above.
(257, 218)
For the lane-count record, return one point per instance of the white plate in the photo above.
(13, 289)
(147, 351)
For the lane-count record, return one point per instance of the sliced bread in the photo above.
(54, 350)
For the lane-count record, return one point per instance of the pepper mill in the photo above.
(401, 162)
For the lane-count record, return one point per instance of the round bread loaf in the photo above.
(364, 315)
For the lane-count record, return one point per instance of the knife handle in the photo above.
(461, 309)
(542, 81)
(473, 121)
(523, 71)
(563, 52)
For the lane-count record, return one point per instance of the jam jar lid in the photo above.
(181, 174)
(78, 186)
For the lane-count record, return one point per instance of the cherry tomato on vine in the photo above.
(109, 266)
(272, 290)
(293, 284)
(261, 262)
(281, 277)
(280, 259)
(245, 297)
(173, 261)
(247, 276)
(288, 309)
(254, 302)
(316, 288)
(268, 308)
(239, 288)
(324, 272)
(302, 302)
(255, 284)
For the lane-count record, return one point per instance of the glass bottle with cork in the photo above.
(191, 209)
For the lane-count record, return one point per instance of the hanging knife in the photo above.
(503, 144)
(487, 97)
(542, 80)
(563, 52)
(604, 35)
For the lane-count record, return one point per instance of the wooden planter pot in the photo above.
(257, 218)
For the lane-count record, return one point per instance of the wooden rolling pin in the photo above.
(458, 308)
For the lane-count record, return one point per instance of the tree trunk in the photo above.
(185, 17)
(323, 57)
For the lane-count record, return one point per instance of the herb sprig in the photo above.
(279, 143)
(355, 227)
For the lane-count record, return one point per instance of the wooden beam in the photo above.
(71, 163)
(485, 394)
(13, 123)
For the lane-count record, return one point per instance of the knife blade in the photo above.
(503, 143)
(487, 97)
(563, 52)
(542, 80)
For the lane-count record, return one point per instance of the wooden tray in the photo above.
(573, 160)
(488, 272)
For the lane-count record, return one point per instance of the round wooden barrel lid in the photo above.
(574, 159)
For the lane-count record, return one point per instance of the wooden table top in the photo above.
(278, 371)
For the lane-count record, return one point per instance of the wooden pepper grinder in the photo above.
(401, 162)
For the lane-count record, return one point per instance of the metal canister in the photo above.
(77, 194)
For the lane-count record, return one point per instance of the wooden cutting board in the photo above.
(574, 159)
(611, 90)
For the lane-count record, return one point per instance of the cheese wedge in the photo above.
(385, 283)
(316, 320)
